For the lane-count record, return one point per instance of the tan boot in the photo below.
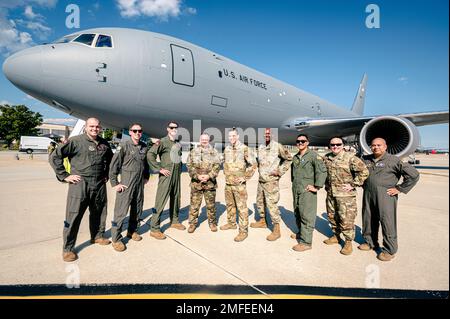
(213, 227)
(191, 228)
(240, 237)
(259, 224)
(332, 240)
(119, 246)
(364, 247)
(178, 226)
(134, 236)
(348, 248)
(228, 226)
(101, 241)
(384, 256)
(301, 247)
(69, 256)
(275, 233)
(158, 235)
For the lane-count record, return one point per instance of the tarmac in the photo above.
(32, 206)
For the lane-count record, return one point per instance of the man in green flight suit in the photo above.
(380, 197)
(169, 167)
(130, 161)
(90, 157)
(308, 175)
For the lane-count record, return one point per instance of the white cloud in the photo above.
(403, 80)
(16, 34)
(11, 39)
(161, 9)
(6, 102)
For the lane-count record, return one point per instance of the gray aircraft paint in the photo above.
(152, 78)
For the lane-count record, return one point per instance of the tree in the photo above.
(18, 120)
(108, 134)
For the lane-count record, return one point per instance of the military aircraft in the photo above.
(126, 75)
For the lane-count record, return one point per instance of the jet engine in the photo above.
(401, 135)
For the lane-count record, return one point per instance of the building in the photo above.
(54, 130)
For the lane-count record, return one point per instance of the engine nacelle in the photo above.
(401, 135)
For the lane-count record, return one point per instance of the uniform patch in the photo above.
(91, 148)
(380, 164)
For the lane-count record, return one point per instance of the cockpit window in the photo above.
(66, 39)
(103, 41)
(85, 38)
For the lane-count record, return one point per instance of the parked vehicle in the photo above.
(32, 144)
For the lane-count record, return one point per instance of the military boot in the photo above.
(348, 248)
(101, 241)
(157, 234)
(228, 226)
(213, 227)
(69, 256)
(301, 247)
(118, 246)
(332, 240)
(178, 226)
(384, 256)
(259, 224)
(240, 237)
(134, 236)
(191, 228)
(364, 247)
(275, 233)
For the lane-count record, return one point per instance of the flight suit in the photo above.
(344, 168)
(239, 161)
(203, 161)
(271, 158)
(308, 169)
(169, 153)
(130, 161)
(89, 159)
(378, 206)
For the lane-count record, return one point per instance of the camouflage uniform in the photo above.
(239, 162)
(344, 168)
(272, 158)
(203, 161)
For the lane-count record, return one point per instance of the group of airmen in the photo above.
(93, 164)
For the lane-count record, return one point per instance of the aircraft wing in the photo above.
(320, 129)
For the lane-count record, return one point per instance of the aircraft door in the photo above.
(183, 72)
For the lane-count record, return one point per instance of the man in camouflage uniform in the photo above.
(381, 195)
(239, 167)
(308, 175)
(345, 172)
(169, 151)
(130, 161)
(90, 157)
(203, 165)
(273, 161)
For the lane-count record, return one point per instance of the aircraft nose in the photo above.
(24, 69)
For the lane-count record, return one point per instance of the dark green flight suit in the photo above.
(130, 161)
(89, 159)
(168, 186)
(308, 169)
(378, 206)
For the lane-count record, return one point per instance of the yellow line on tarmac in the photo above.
(178, 296)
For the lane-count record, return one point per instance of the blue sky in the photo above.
(323, 47)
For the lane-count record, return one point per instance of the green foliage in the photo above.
(18, 120)
(107, 134)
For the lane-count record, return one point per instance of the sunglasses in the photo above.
(302, 141)
(173, 127)
(136, 131)
(335, 145)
